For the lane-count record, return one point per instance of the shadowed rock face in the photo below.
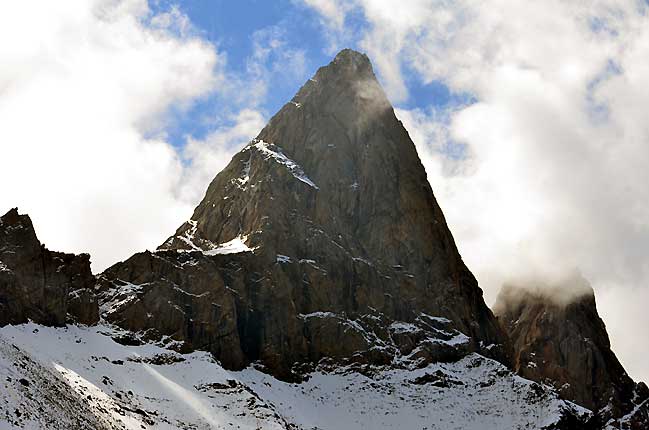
(38, 284)
(340, 236)
(564, 343)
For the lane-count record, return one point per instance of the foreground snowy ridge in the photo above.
(78, 377)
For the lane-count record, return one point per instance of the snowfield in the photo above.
(79, 377)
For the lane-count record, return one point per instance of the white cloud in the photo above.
(554, 175)
(83, 86)
(333, 11)
(272, 59)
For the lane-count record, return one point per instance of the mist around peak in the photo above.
(558, 289)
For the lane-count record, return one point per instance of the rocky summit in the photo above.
(315, 286)
(38, 284)
(563, 342)
(321, 238)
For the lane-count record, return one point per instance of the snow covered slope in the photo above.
(79, 377)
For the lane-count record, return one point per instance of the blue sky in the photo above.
(232, 25)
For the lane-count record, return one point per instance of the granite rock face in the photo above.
(316, 239)
(37, 284)
(562, 341)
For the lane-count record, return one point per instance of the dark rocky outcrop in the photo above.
(37, 284)
(558, 338)
(340, 237)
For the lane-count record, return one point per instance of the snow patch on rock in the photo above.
(234, 246)
(279, 157)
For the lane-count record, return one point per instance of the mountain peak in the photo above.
(346, 88)
(348, 54)
(348, 59)
(559, 337)
(347, 65)
(328, 219)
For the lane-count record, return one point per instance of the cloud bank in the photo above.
(85, 90)
(545, 172)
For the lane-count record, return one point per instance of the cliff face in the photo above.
(318, 239)
(38, 284)
(563, 341)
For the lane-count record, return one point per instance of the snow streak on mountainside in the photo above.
(76, 377)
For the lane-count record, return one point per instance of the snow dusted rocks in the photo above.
(38, 284)
(562, 341)
(185, 297)
(220, 303)
(78, 378)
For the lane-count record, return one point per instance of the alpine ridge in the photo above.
(318, 237)
(315, 286)
(40, 285)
